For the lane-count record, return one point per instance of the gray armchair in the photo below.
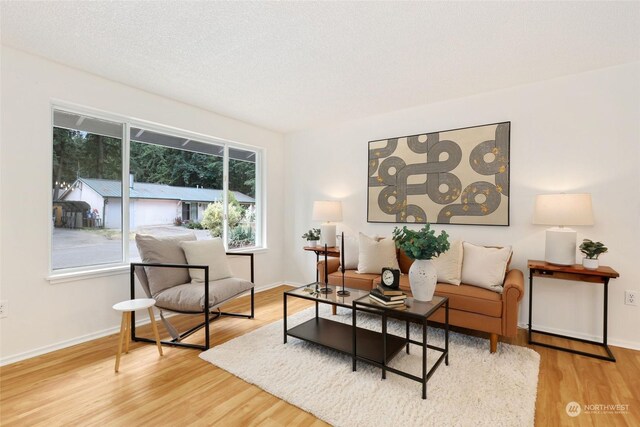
(164, 276)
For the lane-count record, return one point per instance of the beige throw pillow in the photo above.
(164, 250)
(375, 255)
(207, 252)
(449, 264)
(485, 267)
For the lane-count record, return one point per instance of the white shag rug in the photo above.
(477, 388)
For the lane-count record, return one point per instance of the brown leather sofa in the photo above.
(469, 306)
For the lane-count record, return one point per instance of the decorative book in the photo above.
(376, 293)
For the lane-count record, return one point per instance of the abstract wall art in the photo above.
(458, 176)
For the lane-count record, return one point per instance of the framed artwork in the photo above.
(458, 176)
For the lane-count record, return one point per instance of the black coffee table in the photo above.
(337, 335)
(376, 348)
(414, 311)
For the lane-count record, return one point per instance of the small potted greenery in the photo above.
(592, 251)
(422, 246)
(312, 236)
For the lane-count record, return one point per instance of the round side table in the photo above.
(126, 307)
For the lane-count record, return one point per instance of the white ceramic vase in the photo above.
(422, 278)
(312, 243)
(590, 264)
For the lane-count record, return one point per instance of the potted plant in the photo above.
(592, 251)
(421, 246)
(312, 236)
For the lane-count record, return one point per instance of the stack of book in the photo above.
(387, 296)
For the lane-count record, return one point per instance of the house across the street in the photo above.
(150, 204)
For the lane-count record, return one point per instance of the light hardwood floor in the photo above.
(78, 386)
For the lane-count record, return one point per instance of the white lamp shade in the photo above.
(327, 210)
(563, 209)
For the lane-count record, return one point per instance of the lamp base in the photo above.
(328, 235)
(560, 246)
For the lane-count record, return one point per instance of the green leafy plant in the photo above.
(212, 219)
(592, 249)
(313, 234)
(194, 225)
(421, 244)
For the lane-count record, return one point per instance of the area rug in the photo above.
(477, 388)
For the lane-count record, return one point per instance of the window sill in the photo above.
(55, 279)
(250, 250)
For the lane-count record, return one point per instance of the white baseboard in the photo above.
(92, 336)
(64, 344)
(611, 341)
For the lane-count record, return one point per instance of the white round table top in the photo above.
(134, 304)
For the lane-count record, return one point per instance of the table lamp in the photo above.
(561, 210)
(327, 211)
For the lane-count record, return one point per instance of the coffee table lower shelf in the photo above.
(339, 336)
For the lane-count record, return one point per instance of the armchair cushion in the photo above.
(164, 250)
(189, 297)
(207, 252)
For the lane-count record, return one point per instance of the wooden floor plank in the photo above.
(77, 385)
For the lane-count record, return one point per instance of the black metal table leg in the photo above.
(446, 333)
(285, 317)
(384, 345)
(353, 334)
(407, 336)
(424, 359)
(530, 302)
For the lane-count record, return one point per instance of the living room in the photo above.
(316, 83)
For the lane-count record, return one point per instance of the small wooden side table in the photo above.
(126, 307)
(333, 252)
(578, 273)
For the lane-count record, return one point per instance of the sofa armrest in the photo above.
(332, 266)
(512, 294)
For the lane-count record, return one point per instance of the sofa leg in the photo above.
(334, 310)
(493, 339)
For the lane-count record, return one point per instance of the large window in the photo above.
(109, 184)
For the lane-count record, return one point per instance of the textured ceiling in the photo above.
(294, 65)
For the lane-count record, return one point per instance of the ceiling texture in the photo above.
(289, 66)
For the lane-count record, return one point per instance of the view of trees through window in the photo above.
(174, 184)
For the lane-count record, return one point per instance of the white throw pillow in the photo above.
(351, 251)
(374, 255)
(449, 264)
(485, 267)
(207, 252)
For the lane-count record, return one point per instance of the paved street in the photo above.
(80, 247)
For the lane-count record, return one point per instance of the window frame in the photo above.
(96, 270)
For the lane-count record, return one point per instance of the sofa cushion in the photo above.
(189, 297)
(485, 267)
(207, 252)
(449, 264)
(354, 280)
(375, 255)
(471, 298)
(462, 297)
(164, 250)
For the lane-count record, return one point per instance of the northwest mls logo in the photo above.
(573, 409)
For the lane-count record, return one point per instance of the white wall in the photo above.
(578, 133)
(153, 212)
(44, 316)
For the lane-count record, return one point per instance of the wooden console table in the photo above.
(578, 273)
